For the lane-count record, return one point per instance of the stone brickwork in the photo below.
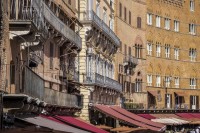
(101, 37)
(130, 35)
(4, 41)
(183, 67)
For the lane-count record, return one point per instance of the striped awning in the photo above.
(170, 121)
(52, 123)
(132, 119)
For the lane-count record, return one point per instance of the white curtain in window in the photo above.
(149, 80)
(158, 81)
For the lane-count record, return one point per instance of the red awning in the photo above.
(52, 123)
(180, 94)
(165, 116)
(196, 115)
(80, 124)
(172, 115)
(159, 115)
(114, 114)
(147, 116)
(154, 93)
(185, 115)
(136, 117)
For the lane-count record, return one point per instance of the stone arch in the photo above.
(193, 73)
(177, 72)
(192, 45)
(150, 68)
(139, 51)
(138, 40)
(150, 36)
(168, 40)
(159, 38)
(177, 42)
(158, 69)
(193, 20)
(168, 71)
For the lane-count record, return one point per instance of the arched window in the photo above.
(191, 5)
(138, 51)
(138, 82)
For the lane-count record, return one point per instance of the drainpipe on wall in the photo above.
(89, 7)
(90, 4)
(81, 42)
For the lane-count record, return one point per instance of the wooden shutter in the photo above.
(122, 83)
(171, 100)
(189, 27)
(138, 22)
(191, 100)
(165, 100)
(120, 9)
(129, 17)
(124, 13)
(12, 73)
(141, 49)
(125, 49)
(197, 102)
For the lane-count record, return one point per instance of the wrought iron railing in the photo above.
(39, 13)
(130, 60)
(95, 78)
(60, 98)
(61, 26)
(34, 86)
(99, 79)
(91, 16)
(31, 11)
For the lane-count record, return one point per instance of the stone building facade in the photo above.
(172, 36)
(99, 46)
(4, 39)
(42, 50)
(130, 27)
(169, 62)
